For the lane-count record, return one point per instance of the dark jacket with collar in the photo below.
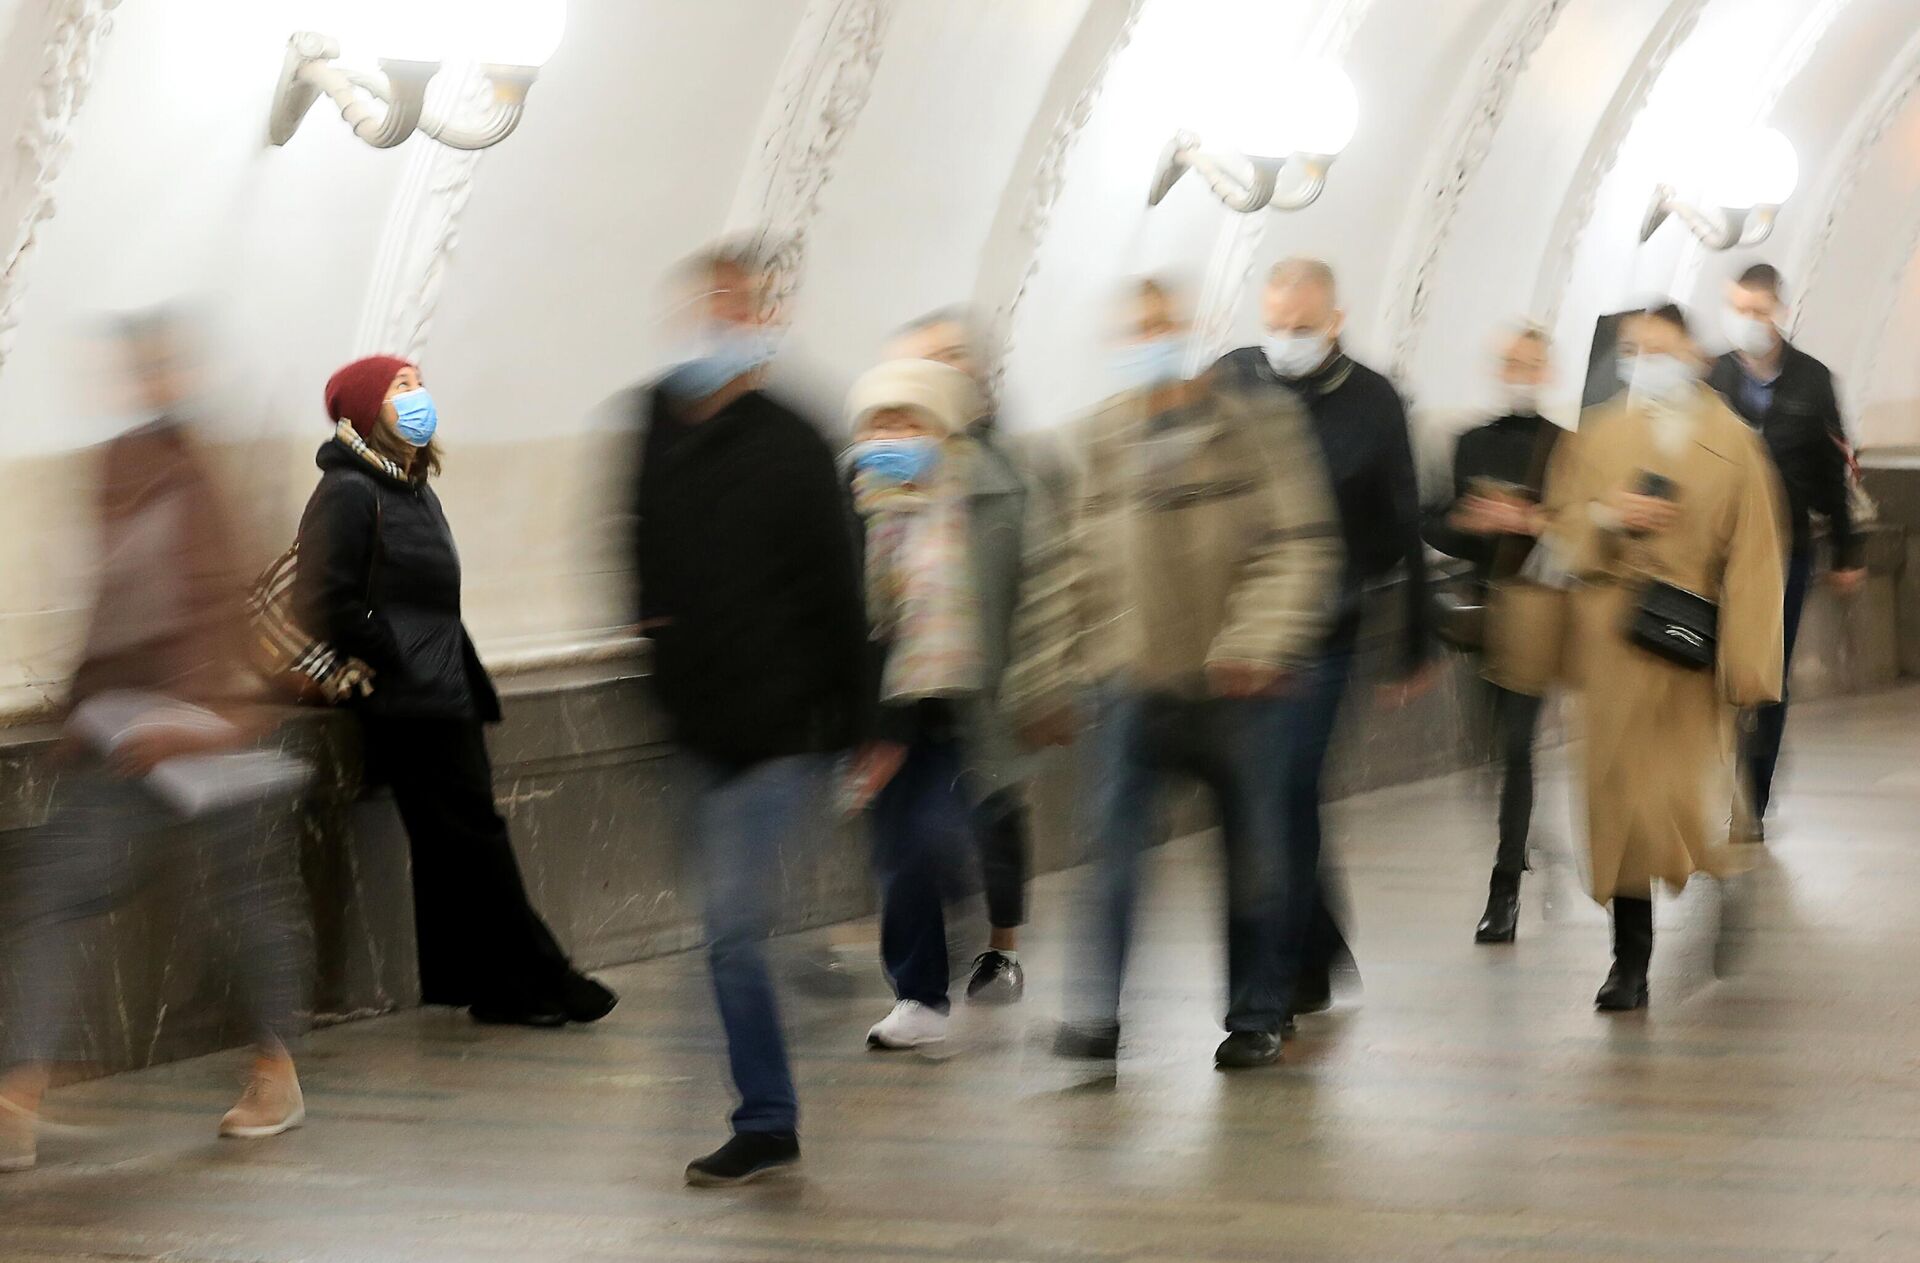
(1510, 449)
(379, 579)
(1362, 426)
(749, 587)
(1803, 432)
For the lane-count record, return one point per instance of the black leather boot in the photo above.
(1626, 986)
(1502, 917)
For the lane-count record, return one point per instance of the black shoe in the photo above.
(1087, 1043)
(1313, 992)
(996, 979)
(1502, 918)
(544, 1015)
(586, 1000)
(747, 1157)
(1622, 992)
(1244, 1050)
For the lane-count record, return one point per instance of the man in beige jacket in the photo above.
(1199, 559)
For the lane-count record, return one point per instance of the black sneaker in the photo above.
(997, 979)
(586, 1000)
(747, 1157)
(1087, 1043)
(1244, 1050)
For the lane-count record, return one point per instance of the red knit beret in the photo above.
(358, 392)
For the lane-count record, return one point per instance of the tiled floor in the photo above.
(1468, 1106)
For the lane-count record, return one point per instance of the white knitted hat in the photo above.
(946, 397)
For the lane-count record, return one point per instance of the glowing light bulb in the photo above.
(1759, 168)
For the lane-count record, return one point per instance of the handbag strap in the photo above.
(1511, 552)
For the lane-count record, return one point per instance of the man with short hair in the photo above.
(1199, 553)
(751, 594)
(1361, 425)
(1001, 519)
(1788, 397)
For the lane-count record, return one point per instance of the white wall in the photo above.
(906, 141)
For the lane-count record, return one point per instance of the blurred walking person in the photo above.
(1202, 555)
(379, 580)
(1360, 423)
(1664, 508)
(1005, 526)
(160, 681)
(751, 593)
(1492, 520)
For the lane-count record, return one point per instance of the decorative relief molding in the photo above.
(1230, 270)
(1470, 134)
(76, 29)
(422, 234)
(1049, 179)
(1788, 61)
(1870, 126)
(822, 90)
(1603, 151)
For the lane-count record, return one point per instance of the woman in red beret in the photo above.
(379, 580)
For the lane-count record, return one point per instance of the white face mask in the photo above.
(1749, 336)
(1522, 401)
(1658, 378)
(1297, 354)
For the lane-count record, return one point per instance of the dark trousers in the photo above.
(480, 940)
(1516, 719)
(1003, 835)
(1231, 748)
(1311, 939)
(1768, 724)
(750, 825)
(923, 841)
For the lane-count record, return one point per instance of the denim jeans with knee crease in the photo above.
(1231, 747)
(749, 823)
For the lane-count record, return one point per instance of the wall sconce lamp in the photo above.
(1312, 124)
(1754, 176)
(509, 39)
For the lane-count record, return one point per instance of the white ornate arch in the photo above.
(1472, 123)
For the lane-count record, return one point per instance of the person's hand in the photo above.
(1240, 679)
(1847, 582)
(1474, 515)
(1643, 515)
(1397, 693)
(873, 768)
(1054, 729)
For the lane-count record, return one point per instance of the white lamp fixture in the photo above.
(1743, 189)
(509, 39)
(1294, 141)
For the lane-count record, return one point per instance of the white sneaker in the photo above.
(272, 1104)
(910, 1025)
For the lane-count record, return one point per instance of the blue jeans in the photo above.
(1762, 741)
(1231, 748)
(923, 845)
(747, 823)
(1309, 937)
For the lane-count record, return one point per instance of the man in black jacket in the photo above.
(1492, 521)
(1361, 425)
(751, 594)
(1788, 396)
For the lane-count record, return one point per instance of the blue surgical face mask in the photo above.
(721, 354)
(1155, 362)
(902, 461)
(416, 417)
(1296, 355)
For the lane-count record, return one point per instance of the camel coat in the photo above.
(1660, 737)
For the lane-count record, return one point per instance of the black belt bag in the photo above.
(1672, 623)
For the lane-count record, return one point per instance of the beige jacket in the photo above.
(1213, 539)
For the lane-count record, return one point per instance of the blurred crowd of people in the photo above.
(898, 622)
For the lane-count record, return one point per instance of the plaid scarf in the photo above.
(351, 437)
(921, 597)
